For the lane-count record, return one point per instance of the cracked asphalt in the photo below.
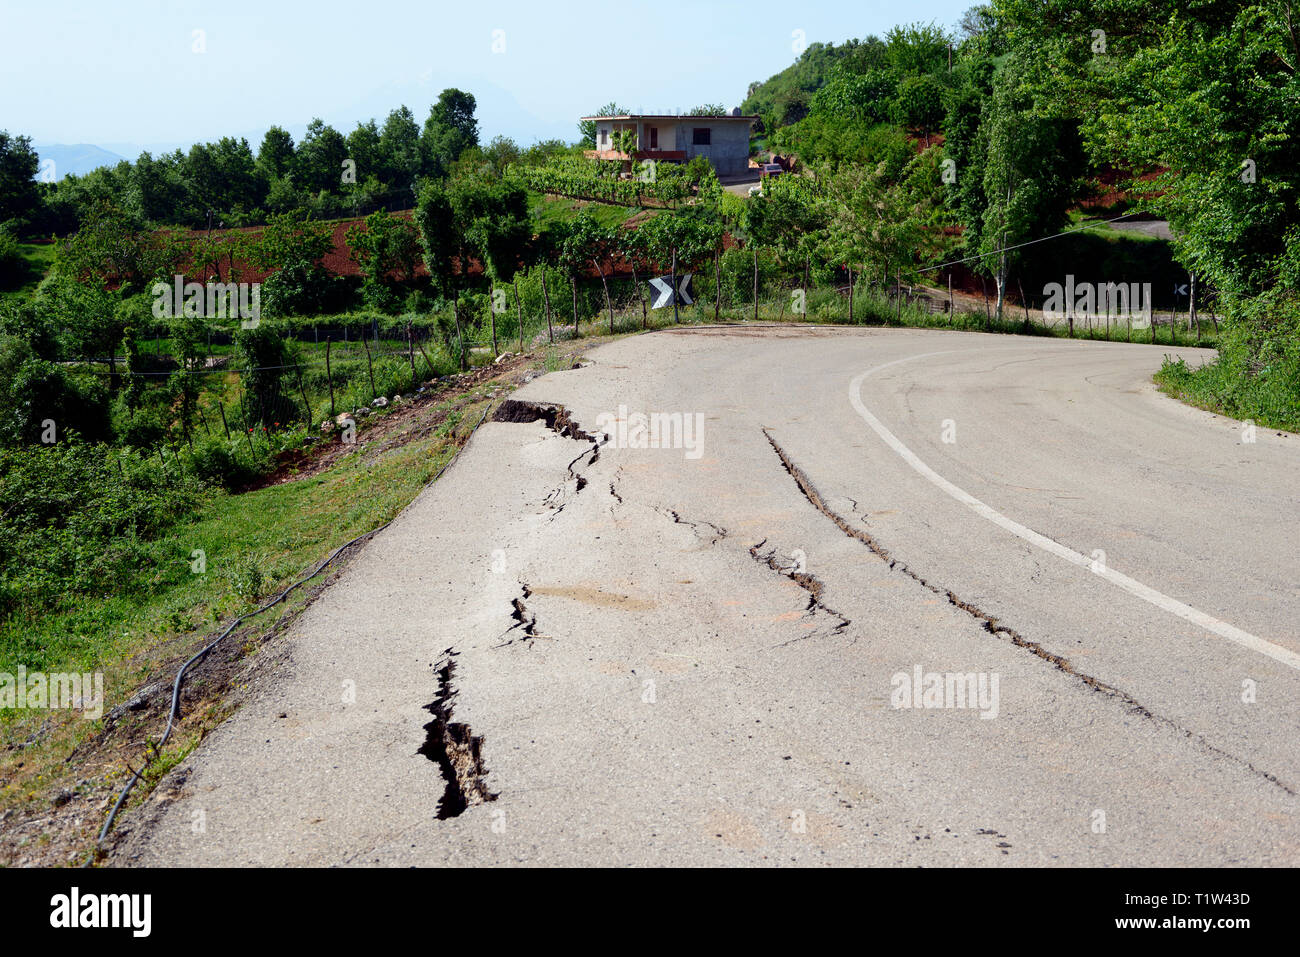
(667, 659)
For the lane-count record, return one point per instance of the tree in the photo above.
(388, 244)
(399, 150)
(264, 353)
(449, 131)
(861, 97)
(292, 248)
(364, 150)
(920, 104)
(320, 158)
(589, 239)
(686, 238)
(792, 221)
(876, 221)
(501, 153)
(976, 21)
(19, 196)
(918, 48)
(625, 141)
(223, 182)
(587, 128)
(275, 157)
(471, 217)
(116, 246)
(1032, 174)
(159, 191)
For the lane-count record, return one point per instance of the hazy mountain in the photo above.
(78, 158)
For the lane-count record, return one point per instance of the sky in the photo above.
(132, 74)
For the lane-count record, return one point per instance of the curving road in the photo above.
(705, 655)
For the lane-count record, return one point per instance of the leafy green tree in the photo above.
(223, 183)
(1032, 175)
(500, 153)
(264, 355)
(291, 247)
(597, 244)
(276, 158)
(917, 49)
(115, 246)
(877, 222)
(920, 104)
(450, 130)
(35, 392)
(587, 128)
(399, 149)
(441, 243)
(159, 190)
(19, 195)
(320, 158)
(364, 150)
(468, 218)
(857, 97)
(388, 244)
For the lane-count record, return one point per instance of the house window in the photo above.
(654, 137)
(701, 136)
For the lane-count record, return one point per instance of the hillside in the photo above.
(77, 159)
(784, 98)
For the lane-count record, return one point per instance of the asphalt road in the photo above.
(699, 655)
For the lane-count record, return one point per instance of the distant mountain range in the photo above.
(79, 158)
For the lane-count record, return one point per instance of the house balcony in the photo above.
(659, 156)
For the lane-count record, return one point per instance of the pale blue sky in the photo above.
(124, 74)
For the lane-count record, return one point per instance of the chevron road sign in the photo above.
(663, 285)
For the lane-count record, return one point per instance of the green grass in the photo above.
(38, 257)
(253, 544)
(546, 210)
(1079, 218)
(1269, 400)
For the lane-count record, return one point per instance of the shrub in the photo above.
(72, 510)
(229, 463)
(13, 267)
(40, 393)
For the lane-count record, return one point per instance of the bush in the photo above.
(73, 510)
(13, 267)
(40, 395)
(738, 274)
(265, 353)
(1257, 374)
(229, 463)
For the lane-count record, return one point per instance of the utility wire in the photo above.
(1042, 239)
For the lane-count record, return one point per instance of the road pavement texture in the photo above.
(569, 654)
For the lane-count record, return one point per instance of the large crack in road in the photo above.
(993, 626)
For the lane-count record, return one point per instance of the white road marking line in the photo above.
(1145, 592)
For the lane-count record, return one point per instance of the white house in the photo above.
(722, 140)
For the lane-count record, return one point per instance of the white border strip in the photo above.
(1145, 592)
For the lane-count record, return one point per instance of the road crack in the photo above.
(556, 418)
(809, 583)
(994, 627)
(456, 750)
(525, 620)
(712, 536)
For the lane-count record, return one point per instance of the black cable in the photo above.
(180, 674)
